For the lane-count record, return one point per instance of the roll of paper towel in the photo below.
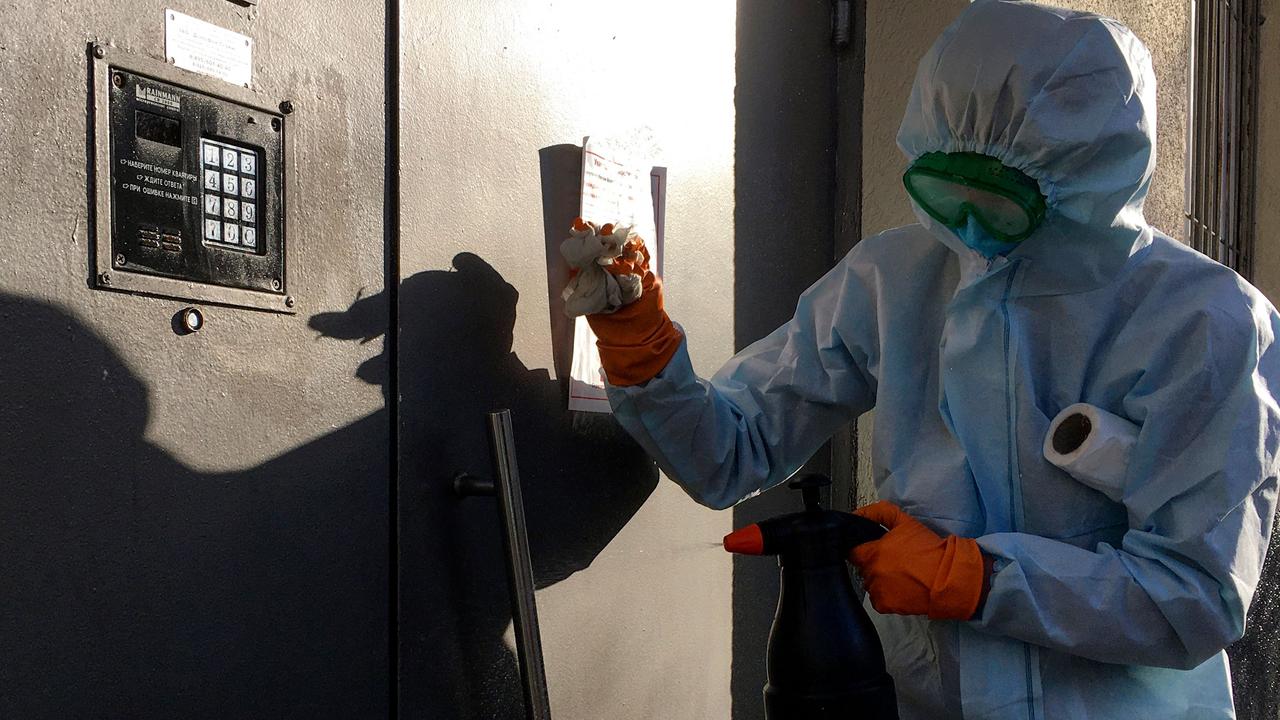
(1092, 446)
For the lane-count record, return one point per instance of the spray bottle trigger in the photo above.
(859, 530)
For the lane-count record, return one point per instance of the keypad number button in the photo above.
(212, 180)
(247, 212)
(231, 233)
(248, 188)
(230, 184)
(248, 163)
(211, 154)
(212, 204)
(229, 159)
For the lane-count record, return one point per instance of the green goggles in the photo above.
(952, 187)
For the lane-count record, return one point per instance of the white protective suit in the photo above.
(1098, 608)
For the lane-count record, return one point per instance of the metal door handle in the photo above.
(515, 540)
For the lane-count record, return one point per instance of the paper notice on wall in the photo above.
(618, 186)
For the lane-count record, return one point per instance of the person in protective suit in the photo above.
(1004, 588)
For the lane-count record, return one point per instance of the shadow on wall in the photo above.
(133, 585)
(582, 482)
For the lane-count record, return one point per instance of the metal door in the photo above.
(193, 525)
(637, 603)
(255, 519)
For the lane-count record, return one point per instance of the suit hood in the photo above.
(1067, 98)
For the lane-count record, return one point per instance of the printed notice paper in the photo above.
(617, 187)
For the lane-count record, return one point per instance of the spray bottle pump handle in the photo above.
(813, 533)
(810, 487)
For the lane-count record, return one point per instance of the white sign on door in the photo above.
(193, 44)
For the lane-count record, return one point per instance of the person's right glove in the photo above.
(914, 571)
(637, 341)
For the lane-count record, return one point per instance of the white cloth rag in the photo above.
(595, 290)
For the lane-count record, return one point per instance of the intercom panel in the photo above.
(190, 186)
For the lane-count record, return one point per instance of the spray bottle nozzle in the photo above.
(812, 536)
(748, 540)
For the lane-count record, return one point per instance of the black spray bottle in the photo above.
(824, 660)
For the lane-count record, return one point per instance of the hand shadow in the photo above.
(581, 485)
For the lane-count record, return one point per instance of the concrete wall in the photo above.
(898, 34)
(1266, 272)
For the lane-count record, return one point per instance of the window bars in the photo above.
(1222, 131)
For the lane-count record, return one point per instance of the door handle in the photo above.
(519, 561)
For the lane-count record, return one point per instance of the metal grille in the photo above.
(1221, 138)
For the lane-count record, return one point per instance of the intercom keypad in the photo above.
(230, 195)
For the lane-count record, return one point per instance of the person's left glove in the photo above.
(914, 571)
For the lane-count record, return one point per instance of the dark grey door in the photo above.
(255, 520)
(191, 526)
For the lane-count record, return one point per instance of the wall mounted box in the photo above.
(189, 186)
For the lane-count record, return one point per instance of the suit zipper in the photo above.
(1015, 488)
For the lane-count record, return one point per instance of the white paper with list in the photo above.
(616, 188)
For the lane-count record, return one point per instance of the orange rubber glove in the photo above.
(914, 571)
(638, 340)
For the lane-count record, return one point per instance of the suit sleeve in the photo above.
(758, 420)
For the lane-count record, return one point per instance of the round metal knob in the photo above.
(190, 320)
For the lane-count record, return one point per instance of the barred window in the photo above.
(1222, 131)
